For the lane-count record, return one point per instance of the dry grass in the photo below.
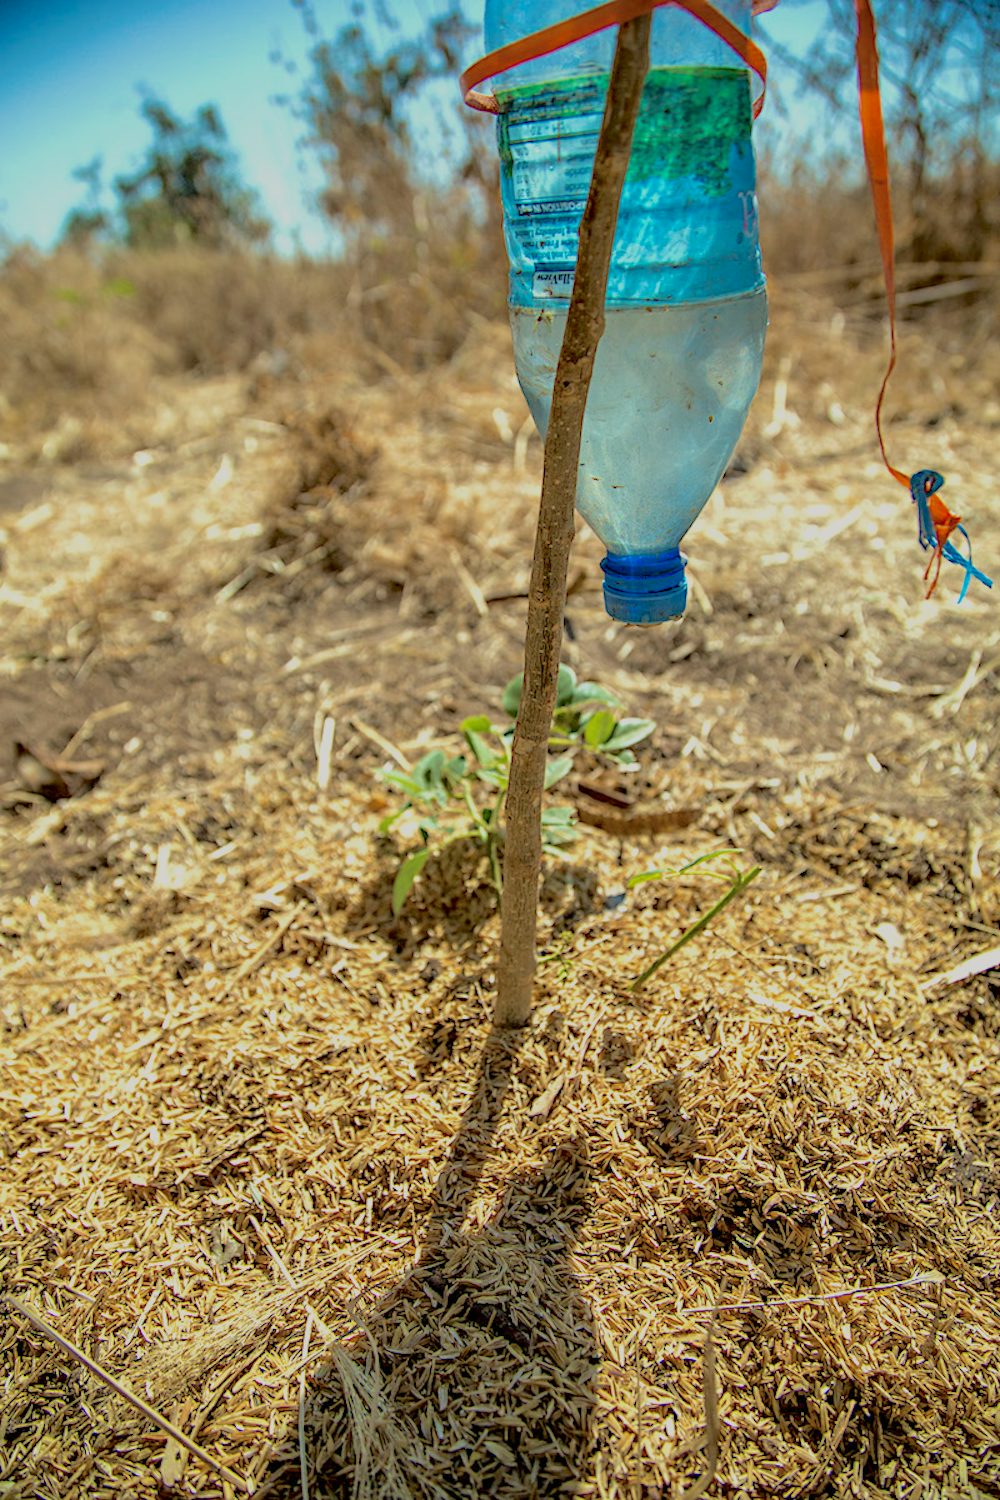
(238, 1100)
(88, 339)
(217, 1133)
(817, 214)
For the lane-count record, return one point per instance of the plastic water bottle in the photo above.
(680, 358)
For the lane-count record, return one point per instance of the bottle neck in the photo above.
(645, 588)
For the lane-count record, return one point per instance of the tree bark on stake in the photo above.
(522, 857)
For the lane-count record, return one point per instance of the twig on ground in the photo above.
(979, 963)
(43, 1326)
(926, 1278)
(710, 1394)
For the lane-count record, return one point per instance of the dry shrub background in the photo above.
(86, 336)
(88, 333)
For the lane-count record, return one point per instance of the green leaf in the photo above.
(403, 782)
(629, 732)
(481, 750)
(494, 775)
(558, 827)
(565, 689)
(511, 699)
(405, 876)
(456, 770)
(474, 728)
(671, 873)
(557, 768)
(558, 814)
(429, 769)
(704, 859)
(599, 727)
(390, 818)
(565, 686)
(592, 692)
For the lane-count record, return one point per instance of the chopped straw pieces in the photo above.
(263, 1161)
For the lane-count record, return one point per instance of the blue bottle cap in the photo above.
(645, 588)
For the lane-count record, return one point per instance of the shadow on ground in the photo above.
(454, 900)
(476, 1375)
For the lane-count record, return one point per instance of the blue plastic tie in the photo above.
(923, 484)
(951, 554)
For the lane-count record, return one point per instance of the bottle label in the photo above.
(553, 282)
(687, 225)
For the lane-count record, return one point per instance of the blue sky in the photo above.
(71, 71)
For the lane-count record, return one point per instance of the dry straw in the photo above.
(248, 1102)
(43, 1326)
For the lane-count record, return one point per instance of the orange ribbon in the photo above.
(613, 13)
(943, 520)
(877, 162)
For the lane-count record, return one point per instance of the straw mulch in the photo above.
(264, 1158)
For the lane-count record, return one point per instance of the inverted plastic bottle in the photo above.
(680, 358)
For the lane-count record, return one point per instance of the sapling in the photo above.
(554, 534)
(452, 798)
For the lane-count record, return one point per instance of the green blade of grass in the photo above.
(738, 886)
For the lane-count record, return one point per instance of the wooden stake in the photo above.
(547, 595)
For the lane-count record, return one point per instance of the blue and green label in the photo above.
(687, 225)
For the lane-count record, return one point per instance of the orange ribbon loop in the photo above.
(936, 523)
(613, 13)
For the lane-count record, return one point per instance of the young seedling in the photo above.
(460, 798)
(739, 880)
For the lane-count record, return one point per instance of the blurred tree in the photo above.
(407, 180)
(356, 108)
(90, 221)
(189, 186)
(940, 61)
